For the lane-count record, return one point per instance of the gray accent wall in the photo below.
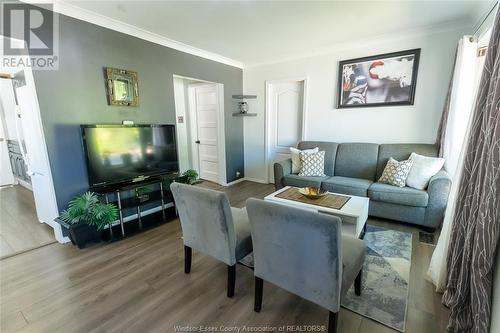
(75, 94)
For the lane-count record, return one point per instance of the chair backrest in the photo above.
(206, 220)
(297, 250)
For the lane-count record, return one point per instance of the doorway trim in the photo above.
(267, 121)
(221, 127)
(51, 195)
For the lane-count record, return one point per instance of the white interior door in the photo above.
(285, 100)
(206, 109)
(6, 175)
(6, 121)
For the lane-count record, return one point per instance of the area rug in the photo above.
(386, 273)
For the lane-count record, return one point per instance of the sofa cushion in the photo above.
(302, 181)
(402, 151)
(357, 160)
(398, 195)
(330, 149)
(346, 185)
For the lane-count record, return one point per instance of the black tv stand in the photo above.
(161, 195)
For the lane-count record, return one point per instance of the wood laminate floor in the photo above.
(19, 227)
(138, 285)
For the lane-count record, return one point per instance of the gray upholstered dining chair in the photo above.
(305, 253)
(211, 226)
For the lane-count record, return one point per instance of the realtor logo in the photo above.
(31, 35)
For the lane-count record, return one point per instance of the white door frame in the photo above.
(50, 193)
(221, 128)
(267, 119)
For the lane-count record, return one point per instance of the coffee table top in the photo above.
(355, 206)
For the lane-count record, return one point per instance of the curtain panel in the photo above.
(452, 141)
(476, 227)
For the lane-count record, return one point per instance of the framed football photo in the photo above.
(381, 80)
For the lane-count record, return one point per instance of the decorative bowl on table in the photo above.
(313, 192)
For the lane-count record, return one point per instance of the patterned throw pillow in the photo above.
(395, 173)
(312, 164)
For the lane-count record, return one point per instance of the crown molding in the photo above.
(76, 12)
(385, 38)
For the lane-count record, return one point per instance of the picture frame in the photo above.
(122, 88)
(388, 79)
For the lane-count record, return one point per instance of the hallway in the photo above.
(20, 230)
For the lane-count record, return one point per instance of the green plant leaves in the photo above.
(87, 208)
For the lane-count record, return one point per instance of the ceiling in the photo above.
(254, 32)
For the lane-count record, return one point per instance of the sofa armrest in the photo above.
(438, 190)
(281, 169)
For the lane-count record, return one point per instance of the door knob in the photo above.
(197, 141)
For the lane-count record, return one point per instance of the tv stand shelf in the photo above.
(161, 195)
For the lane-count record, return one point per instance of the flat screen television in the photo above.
(118, 154)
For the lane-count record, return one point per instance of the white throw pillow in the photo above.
(422, 170)
(312, 164)
(296, 159)
(395, 173)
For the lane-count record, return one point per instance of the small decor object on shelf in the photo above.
(243, 106)
(85, 217)
(122, 87)
(381, 80)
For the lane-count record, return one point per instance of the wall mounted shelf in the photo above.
(239, 114)
(244, 96)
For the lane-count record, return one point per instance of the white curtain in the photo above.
(464, 84)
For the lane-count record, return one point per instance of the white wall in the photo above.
(182, 129)
(417, 123)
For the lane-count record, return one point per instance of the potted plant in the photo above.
(85, 217)
(188, 177)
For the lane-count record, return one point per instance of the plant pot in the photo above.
(81, 234)
(182, 179)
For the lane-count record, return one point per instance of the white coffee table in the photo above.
(353, 214)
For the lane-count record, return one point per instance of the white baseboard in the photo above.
(256, 180)
(25, 184)
(234, 182)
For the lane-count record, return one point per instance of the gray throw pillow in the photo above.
(395, 173)
(312, 164)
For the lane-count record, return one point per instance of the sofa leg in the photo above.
(332, 322)
(357, 283)
(259, 291)
(231, 280)
(188, 252)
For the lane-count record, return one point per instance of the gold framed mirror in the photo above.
(122, 87)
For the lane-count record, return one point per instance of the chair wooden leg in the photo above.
(357, 283)
(259, 291)
(231, 280)
(188, 252)
(332, 322)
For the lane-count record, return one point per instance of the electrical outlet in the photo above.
(238, 174)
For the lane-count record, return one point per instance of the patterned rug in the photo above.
(384, 293)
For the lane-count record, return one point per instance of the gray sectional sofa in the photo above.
(354, 168)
